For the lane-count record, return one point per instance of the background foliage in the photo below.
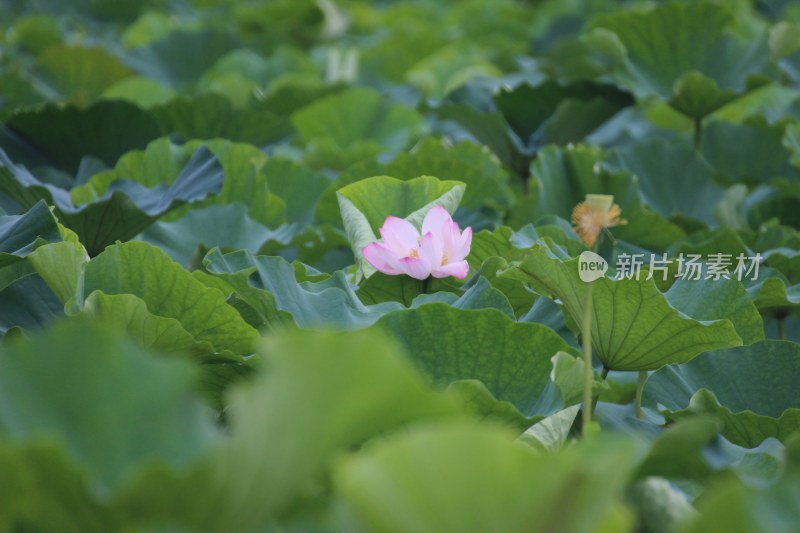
(190, 340)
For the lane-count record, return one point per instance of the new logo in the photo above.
(591, 266)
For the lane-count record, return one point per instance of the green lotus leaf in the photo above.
(62, 136)
(211, 116)
(512, 359)
(125, 208)
(80, 75)
(19, 236)
(225, 226)
(269, 285)
(752, 152)
(718, 299)
(355, 124)
(786, 261)
(449, 68)
(111, 404)
(485, 179)
(655, 48)
(733, 386)
(737, 507)
(634, 327)
(520, 487)
(61, 266)
(144, 271)
(305, 411)
(521, 118)
(28, 305)
(697, 96)
(664, 173)
(140, 91)
(773, 296)
(772, 100)
(37, 32)
(678, 452)
(477, 398)
(540, 111)
(181, 57)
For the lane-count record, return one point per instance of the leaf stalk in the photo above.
(588, 370)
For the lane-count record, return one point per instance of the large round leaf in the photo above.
(513, 359)
(110, 404)
(752, 152)
(355, 124)
(472, 478)
(752, 389)
(709, 299)
(633, 325)
(19, 236)
(81, 74)
(661, 45)
(170, 291)
(61, 136)
(125, 207)
(270, 287)
(665, 172)
(324, 393)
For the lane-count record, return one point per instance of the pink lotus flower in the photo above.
(439, 251)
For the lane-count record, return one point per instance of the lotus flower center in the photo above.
(414, 254)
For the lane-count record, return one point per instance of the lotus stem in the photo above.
(698, 132)
(639, 390)
(588, 370)
(603, 376)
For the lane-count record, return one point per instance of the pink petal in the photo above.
(399, 235)
(459, 269)
(430, 250)
(461, 250)
(382, 258)
(416, 267)
(436, 220)
(451, 242)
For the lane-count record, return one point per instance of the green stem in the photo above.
(425, 285)
(698, 132)
(603, 376)
(639, 390)
(588, 371)
(525, 174)
(782, 328)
